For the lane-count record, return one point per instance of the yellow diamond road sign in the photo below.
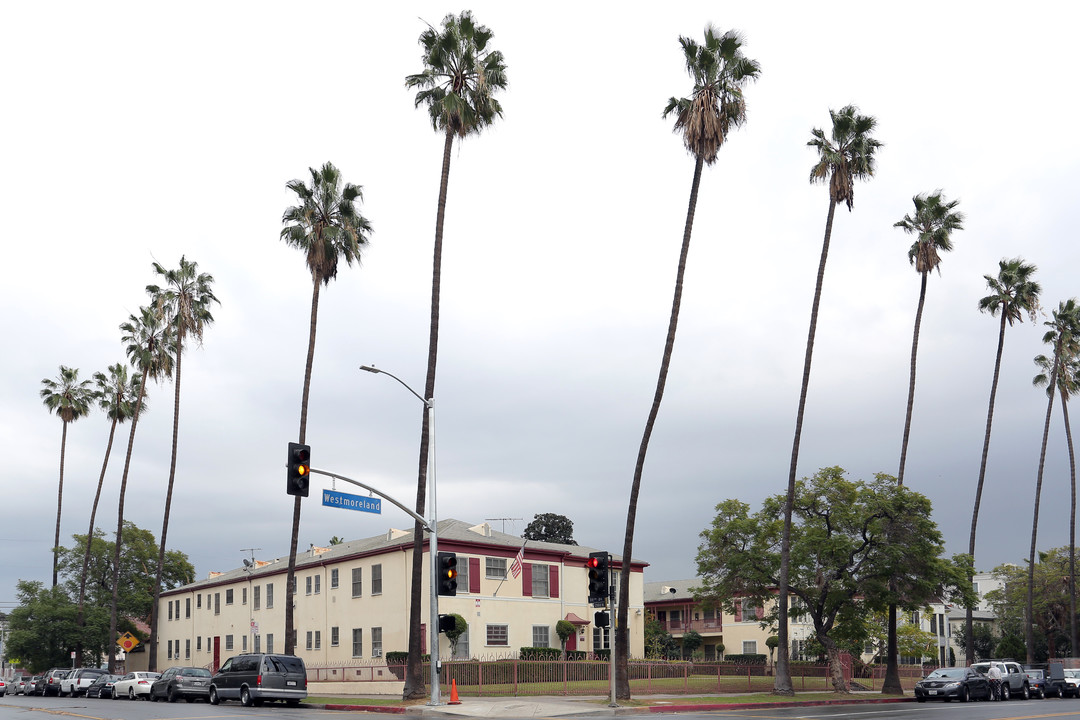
(128, 641)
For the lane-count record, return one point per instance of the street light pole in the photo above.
(433, 547)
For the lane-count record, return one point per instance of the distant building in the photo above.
(352, 601)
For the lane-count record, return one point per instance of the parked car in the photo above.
(1057, 685)
(135, 685)
(21, 684)
(77, 682)
(50, 681)
(1072, 678)
(953, 682)
(3, 687)
(254, 677)
(182, 682)
(32, 685)
(1014, 682)
(102, 687)
(1037, 681)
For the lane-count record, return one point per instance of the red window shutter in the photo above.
(553, 581)
(474, 575)
(526, 579)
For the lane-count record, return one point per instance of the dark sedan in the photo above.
(102, 687)
(182, 682)
(945, 684)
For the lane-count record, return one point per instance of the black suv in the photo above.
(254, 677)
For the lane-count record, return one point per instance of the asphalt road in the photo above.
(14, 707)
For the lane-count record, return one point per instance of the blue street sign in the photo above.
(333, 498)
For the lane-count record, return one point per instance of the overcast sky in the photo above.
(136, 132)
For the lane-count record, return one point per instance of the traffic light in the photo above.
(447, 623)
(602, 619)
(299, 465)
(598, 564)
(447, 573)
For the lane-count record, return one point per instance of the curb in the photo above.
(772, 705)
(389, 709)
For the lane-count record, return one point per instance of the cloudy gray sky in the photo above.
(137, 132)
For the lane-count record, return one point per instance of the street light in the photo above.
(433, 624)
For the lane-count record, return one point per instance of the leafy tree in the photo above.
(1050, 607)
(848, 540)
(982, 642)
(327, 227)
(150, 349)
(564, 629)
(458, 83)
(715, 106)
(550, 527)
(658, 641)
(691, 641)
(69, 399)
(335, 541)
(460, 628)
(842, 159)
(44, 630)
(1013, 294)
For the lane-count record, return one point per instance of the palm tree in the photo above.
(150, 348)
(705, 118)
(933, 224)
(458, 83)
(844, 157)
(1064, 335)
(70, 399)
(115, 395)
(327, 227)
(184, 302)
(1012, 294)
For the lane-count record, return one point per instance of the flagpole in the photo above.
(517, 563)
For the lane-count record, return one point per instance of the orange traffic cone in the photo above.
(453, 693)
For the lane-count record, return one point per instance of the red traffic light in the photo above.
(592, 563)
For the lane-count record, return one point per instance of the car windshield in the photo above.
(951, 673)
(1037, 674)
(195, 672)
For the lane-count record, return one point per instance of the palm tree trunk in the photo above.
(80, 620)
(622, 637)
(782, 682)
(414, 677)
(290, 577)
(111, 639)
(59, 505)
(911, 381)
(168, 508)
(1029, 636)
(969, 629)
(1072, 524)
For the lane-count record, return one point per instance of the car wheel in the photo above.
(1042, 693)
(171, 696)
(213, 695)
(245, 697)
(1006, 693)
(131, 693)
(965, 694)
(1026, 693)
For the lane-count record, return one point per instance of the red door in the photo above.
(217, 652)
(571, 642)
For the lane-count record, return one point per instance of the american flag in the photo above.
(515, 567)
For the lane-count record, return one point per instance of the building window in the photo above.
(376, 579)
(198, 601)
(318, 639)
(498, 635)
(255, 599)
(318, 584)
(358, 642)
(601, 639)
(309, 634)
(187, 607)
(541, 636)
(229, 597)
(198, 644)
(170, 609)
(243, 596)
(228, 642)
(749, 647)
(334, 637)
(307, 587)
(540, 584)
(333, 578)
(295, 580)
(269, 599)
(376, 642)
(494, 568)
(217, 603)
(168, 644)
(357, 582)
(258, 643)
(462, 574)
(243, 643)
(269, 642)
(187, 649)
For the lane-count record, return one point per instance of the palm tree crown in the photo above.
(933, 222)
(116, 392)
(185, 299)
(1013, 292)
(848, 156)
(67, 397)
(149, 344)
(460, 76)
(327, 225)
(719, 70)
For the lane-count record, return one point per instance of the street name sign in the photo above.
(333, 498)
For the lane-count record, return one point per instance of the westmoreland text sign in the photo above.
(333, 498)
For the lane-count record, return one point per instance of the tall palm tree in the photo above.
(150, 348)
(327, 227)
(1064, 336)
(184, 300)
(1012, 294)
(713, 109)
(70, 399)
(933, 224)
(458, 84)
(116, 394)
(847, 155)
